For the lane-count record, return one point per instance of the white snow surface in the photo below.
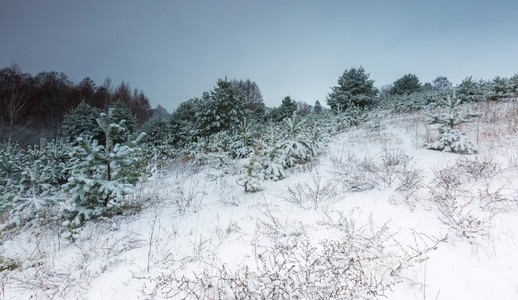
(198, 219)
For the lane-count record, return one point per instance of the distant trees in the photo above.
(32, 107)
(224, 108)
(354, 88)
(470, 89)
(14, 96)
(317, 108)
(441, 84)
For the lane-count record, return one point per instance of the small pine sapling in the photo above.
(251, 182)
(451, 139)
(101, 174)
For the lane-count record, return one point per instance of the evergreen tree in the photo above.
(354, 88)
(285, 110)
(317, 108)
(31, 179)
(157, 130)
(513, 85)
(470, 90)
(224, 110)
(81, 121)
(499, 88)
(183, 121)
(451, 139)
(405, 85)
(101, 174)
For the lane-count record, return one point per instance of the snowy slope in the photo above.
(377, 215)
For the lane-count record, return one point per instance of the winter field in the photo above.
(375, 215)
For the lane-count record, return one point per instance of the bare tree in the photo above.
(14, 99)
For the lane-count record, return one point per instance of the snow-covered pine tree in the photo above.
(354, 88)
(406, 85)
(81, 121)
(285, 110)
(295, 145)
(317, 108)
(470, 90)
(31, 179)
(224, 109)
(183, 121)
(499, 88)
(11, 161)
(118, 113)
(513, 85)
(101, 174)
(251, 182)
(451, 139)
(242, 141)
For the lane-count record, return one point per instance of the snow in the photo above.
(198, 220)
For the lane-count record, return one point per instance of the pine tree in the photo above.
(513, 85)
(101, 174)
(81, 121)
(31, 179)
(406, 85)
(223, 110)
(499, 88)
(470, 90)
(285, 110)
(451, 139)
(354, 88)
(183, 121)
(317, 109)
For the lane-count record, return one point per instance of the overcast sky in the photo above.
(174, 50)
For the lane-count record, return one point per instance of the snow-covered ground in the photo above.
(376, 216)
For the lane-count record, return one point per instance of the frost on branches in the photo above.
(101, 174)
(293, 143)
(30, 179)
(451, 139)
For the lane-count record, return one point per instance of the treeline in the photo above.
(229, 106)
(33, 107)
(355, 89)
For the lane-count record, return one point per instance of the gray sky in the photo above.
(174, 50)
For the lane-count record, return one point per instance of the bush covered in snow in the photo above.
(362, 262)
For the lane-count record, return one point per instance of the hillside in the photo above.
(376, 215)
